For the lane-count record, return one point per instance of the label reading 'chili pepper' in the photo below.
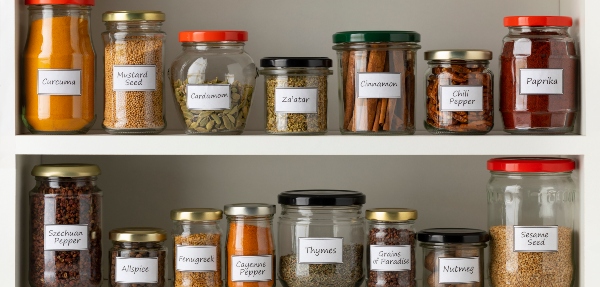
(136, 270)
(65, 237)
(390, 257)
(541, 81)
(536, 238)
(251, 268)
(208, 97)
(379, 85)
(461, 98)
(134, 77)
(196, 258)
(459, 270)
(59, 82)
(296, 100)
(320, 250)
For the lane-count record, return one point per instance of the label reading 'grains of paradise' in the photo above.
(296, 100)
(541, 81)
(134, 78)
(251, 268)
(136, 270)
(320, 250)
(461, 98)
(536, 238)
(459, 270)
(379, 85)
(65, 237)
(196, 258)
(390, 257)
(59, 82)
(208, 97)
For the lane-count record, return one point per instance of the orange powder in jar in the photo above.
(249, 240)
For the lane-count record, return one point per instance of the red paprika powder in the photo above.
(538, 76)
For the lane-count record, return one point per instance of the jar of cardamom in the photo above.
(296, 94)
(213, 80)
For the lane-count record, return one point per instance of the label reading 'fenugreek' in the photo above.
(541, 81)
(379, 85)
(196, 258)
(251, 268)
(208, 97)
(65, 237)
(461, 98)
(459, 270)
(536, 238)
(136, 270)
(59, 82)
(134, 77)
(320, 250)
(296, 100)
(390, 257)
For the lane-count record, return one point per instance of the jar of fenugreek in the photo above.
(296, 94)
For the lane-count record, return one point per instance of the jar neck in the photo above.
(224, 46)
(348, 211)
(137, 245)
(58, 182)
(50, 11)
(546, 30)
(458, 62)
(142, 26)
(249, 219)
(532, 174)
(453, 245)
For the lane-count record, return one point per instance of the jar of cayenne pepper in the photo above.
(538, 75)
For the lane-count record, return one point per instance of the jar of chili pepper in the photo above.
(538, 76)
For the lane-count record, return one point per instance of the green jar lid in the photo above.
(376, 36)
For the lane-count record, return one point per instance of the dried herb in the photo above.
(393, 236)
(199, 279)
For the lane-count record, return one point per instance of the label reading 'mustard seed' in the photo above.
(134, 77)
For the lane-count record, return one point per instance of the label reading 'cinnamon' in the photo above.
(320, 250)
(379, 85)
(296, 100)
(65, 237)
(136, 270)
(458, 270)
(134, 78)
(208, 97)
(536, 238)
(541, 81)
(251, 268)
(59, 82)
(196, 258)
(461, 98)
(390, 257)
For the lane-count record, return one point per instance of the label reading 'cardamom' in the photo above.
(541, 81)
(461, 98)
(196, 258)
(251, 268)
(65, 237)
(296, 100)
(136, 270)
(379, 85)
(459, 270)
(59, 82)
(134, 77)
(390, 257)
(320, 250)
(208, 97)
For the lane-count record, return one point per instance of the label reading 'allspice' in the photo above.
(320, 250)
(536, 238)
(251, 268)
(196, 258)
(390, 257)
(541, 81)
(296, 100)
(136, 270)
(458, 270)
(65, 237)
(65, 82)
(461, 98)
(208, 97)
(134, 77)
(379, 85)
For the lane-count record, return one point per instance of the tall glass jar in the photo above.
(250, 248)
(134, 72)
(58, 68)
(321, 238)
(531, 209)
(459, 92)
(538, 75)
(391, 254)
(213, 80)
(65, 226)
(197, 247)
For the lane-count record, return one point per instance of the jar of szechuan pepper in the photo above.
(459, 92)
(296, 94)
(538, 76)
(531, 215)
(376, 80)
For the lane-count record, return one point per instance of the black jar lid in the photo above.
(321, 197)
(295, 62)
(453, 235)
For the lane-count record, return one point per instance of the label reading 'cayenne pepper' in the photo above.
(65, 237)
(208, 97)
(541, 81)
(390, 257)
(251, 268)
(379, 85)
(461, 98)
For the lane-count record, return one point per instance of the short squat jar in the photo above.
(321, 238)
(531, 215)
(459, 92)
(454, 257)
(296, 94)
(137, 257)
(391, 255)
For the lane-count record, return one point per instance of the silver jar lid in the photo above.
(460, 55)
(251, 209)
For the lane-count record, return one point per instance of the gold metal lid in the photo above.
(65, 170)
(137, 234)
(196, 214)
(391, 214)
(458, 55)
(249, 209)
(140, 15)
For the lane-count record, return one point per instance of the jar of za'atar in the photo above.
(213, 80)
(459, 92)
(531, 215)
(376, 81)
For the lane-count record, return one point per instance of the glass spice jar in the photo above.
(133, 72)
(459, 92)
(391, 254)
(376, 80)
(296, 94)
(65, 226)
(138, 257)
(538, 75)
(58, 68)
(213, 80)
(531, 215)
(197, 247)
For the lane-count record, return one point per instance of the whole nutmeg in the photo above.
(474, 252)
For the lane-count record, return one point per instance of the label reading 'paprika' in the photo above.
(458, 270)
(251, 268)
(196, 258)
(65, 237)
(136, 270)
(134, 77)
(461, 98)
(390, 257)
(379, 85)
(296, 100)
(535, 239)
(541, 81)
(320, 250)
(64, 82)
(208, 97)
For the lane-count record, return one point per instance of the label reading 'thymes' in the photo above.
(541, 81)
(136, 270)
(320, 250)
(134, 78)
(59, 82)
(536, 238)
(196, 258)
(65, 237)
(296, 100)
(390, 257)
(461, 98)
(379, 85)
(458, 270)
(251, 268)
(208, 97)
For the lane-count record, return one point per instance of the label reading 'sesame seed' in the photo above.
(136, 270)
(320, 250)
(390, 257)
(251, 268)
(458, 270)
(208, 97)
(379, 85)
(196, 258)
(536, 238)
(65, 237)
(541, 81)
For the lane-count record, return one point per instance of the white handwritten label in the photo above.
(196, 258)
(134, 78)
(208, 97)
(251, 268)
(65, 237)
(320, 250)
(461, 98)
(541, 81)
(59, 82)
(136, 270)
(458, 270)
(536, 238)
(390, 257)
(296, 100)
(379, 85)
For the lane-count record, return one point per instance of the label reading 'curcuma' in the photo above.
(251, 268)
(65, 237)
(458, 270)
(136, 270)
(196, 258)
(320, 250)
(59, 82)
(379, 85)
(541, 81)
(208, 97)
(461, 98)
(536, 238)
(134, 78)
(390, 257)
(296, 100)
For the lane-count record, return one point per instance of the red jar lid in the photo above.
(560, 21)
(531, 164)
(60, 2)
(213, 36)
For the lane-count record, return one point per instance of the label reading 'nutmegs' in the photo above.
(196, 258)
(320, 250)
(458, 270)
(65, 237)
(536, 238)
(136, 270)
(461, 98)
(134, 78)
(251, 268)
(390, 257)
(59, 82)
(208, 97)
(541, 81)
(379, 85)
(296, 100)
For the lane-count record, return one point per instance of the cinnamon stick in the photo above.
(375, 64)
(391, 122)
(348, 76)
(361, 120)
(375, 127)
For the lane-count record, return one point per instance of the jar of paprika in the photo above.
(538, 76)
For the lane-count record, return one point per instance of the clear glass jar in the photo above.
(459, 92)
(197, 247)
(376, 80)
(134, 72)
(250, 247)
(391, 254)
(538, 75)
(138, 257)
(296, 94)
(65, 226)
(531, 215)
(213, 80)
(58, 68)
(321, 238)
(454, 257)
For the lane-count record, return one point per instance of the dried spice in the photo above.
(393, 236)
(431, 264)
(138, 250)
(247, 239)
(199, 279)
